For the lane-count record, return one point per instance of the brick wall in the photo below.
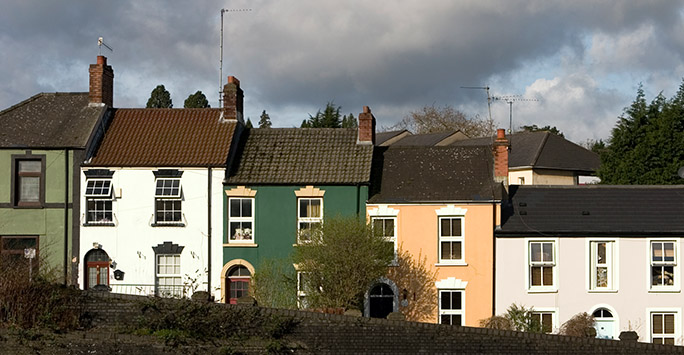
(328, 333)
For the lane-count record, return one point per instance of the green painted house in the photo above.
(43, 141)
(282, 182)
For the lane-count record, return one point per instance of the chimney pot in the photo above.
(233, 100)
(500, 133)
(366, 109)
(101, 60)
(101, 90)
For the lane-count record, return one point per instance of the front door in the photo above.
(381, 301)
(98, 273)
(604, 323)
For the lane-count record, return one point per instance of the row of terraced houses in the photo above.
(173, 201)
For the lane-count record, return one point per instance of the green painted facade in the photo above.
(275, 218)
(47, 222)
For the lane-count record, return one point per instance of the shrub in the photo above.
(580, 325)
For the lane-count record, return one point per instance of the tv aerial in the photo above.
(100, 43)
(510, 99)
(221, 50)
(489, 98)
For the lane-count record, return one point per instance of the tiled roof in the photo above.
(543, 150)
(433, 174)
(159, 137)
(382, 137)
(594, 209)
(426, 139)
(49, 120)
(301, 156)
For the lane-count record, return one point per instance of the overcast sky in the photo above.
(583, 60)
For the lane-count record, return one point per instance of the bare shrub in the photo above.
(416, 284)
(580, 325)
(497, 322)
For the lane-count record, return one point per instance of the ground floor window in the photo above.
(169, 281)
(15, 249)
(663, 327)
(238, 279)
(451, 307)
(545, 319)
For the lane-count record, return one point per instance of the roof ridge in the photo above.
(541, 148)
(36, 97)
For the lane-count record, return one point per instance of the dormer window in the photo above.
(98, 196)
(168, 202)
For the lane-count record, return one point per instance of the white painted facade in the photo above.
(630, 298)
(130, 240)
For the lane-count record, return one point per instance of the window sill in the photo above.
(168, 224)
(98, 224)
(542, 290)
(664, 290)
(240, 245)
(459, 263)
(603, 291)
(28, 206)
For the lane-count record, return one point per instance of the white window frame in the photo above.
(242, 220)
(170, 197)
(177, 289)
(451, 312)
(554, 316)
(529, 264)
(452, 239)
(393, 237)
(310, 220)
(105, 197)
(676, 286)
(677, 322)
(611, 264)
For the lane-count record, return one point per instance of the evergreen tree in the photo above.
(329, 118)
(547, 128)
(159, 98)
(349, 121)
(265, 120)
(647, 144)
(249, 123)
(196, 100)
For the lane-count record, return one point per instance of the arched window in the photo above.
(97, 268)
(238, 278)
(604, 323)
(381, 300)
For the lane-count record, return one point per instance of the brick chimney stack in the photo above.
(366, 127)
(233, 99)
(101, 83)
(500, 149)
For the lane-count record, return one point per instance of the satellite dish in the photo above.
(680, 172)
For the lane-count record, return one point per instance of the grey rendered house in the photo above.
(43, 141)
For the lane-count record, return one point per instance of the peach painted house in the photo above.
(442, 203)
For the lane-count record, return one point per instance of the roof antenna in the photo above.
(221, 57)
(100, 43)
(489, 103)
(509, 100)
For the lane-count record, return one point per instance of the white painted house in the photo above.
(152, 221)
(610, 251)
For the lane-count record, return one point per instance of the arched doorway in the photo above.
(96, 269)
(604, 323)
(381, 300)
(237, 281)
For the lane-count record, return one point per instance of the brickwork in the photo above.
(101, 82)
(366, 126)
(329, 333)
(233, 99)
(501, 147)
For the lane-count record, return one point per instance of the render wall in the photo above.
(130, 241)
(630, 301)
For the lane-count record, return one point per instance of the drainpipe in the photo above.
(66, 215)
(494, 258)
(209, 230)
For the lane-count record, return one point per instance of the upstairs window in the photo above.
(451, 239)
(241, 220)
(541, 265)
(98, 195)
(310, 218)
(601, 265)
(386, 226)
(168, 202)
(29, 181)
(663, 264)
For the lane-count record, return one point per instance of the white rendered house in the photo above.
(610, 251)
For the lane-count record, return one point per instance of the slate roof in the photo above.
(160, 137)
(49, 120)
(426, 139)
(588, 210)
(382, 137)
(543, 150)
(433, 174)
(301, 156)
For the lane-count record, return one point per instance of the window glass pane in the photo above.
(235, 207)
(535, 252)
(378, 225)
(389, 227)
(669, 341)
(657, 324)
(656, 275)
(456, 300)
(446, 227)
(668, 275)
(548, 276)
(29, 188)
(446, 300)
(601, 277)
(456, 227)
(315, 208)
(303, 205)
(546, 322)
(669, 323)
(669, 252)
(456, 320)
(601, 253)
(536, 276)
(30, 166)
(657, 251)
(246, 207)
(445, 319)
(548, 252)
